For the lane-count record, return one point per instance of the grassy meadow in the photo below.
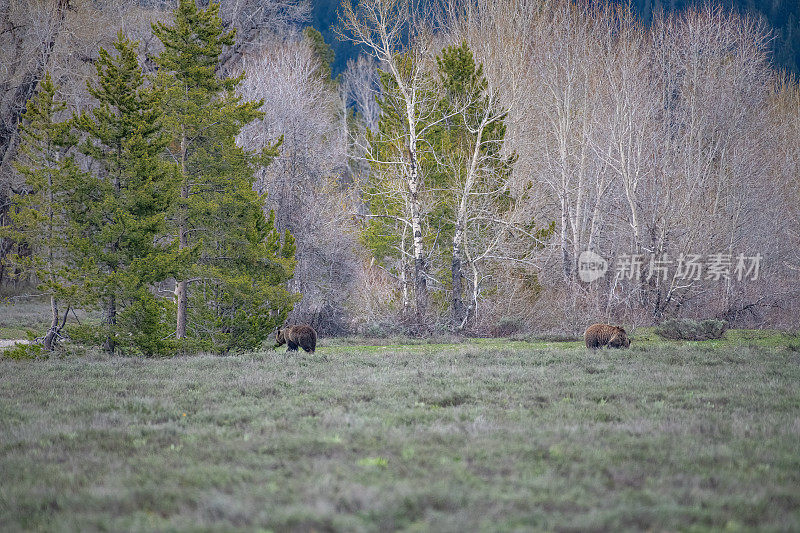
(485, 435)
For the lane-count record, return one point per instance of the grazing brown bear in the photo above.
(303, 336)
(599, 335)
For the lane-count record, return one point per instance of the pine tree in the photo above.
(39, 219)
(233, 293)
(121, 210)
(322, 51)
(475, 196)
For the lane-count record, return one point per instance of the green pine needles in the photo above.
(164, 194)
(232, 292)
(120, 207)
(467, 217)
(41, 222)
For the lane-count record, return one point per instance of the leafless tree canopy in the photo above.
(654, 141)
(258, 20)
(303, 184)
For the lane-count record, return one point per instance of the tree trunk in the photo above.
(180, 299)
(473, 306)
(404, 277)
(50, 338)
(180, 285)
(111, 303)
(411, 170)
(110, 320)
(458, 307)
(565, 259)
(420, 264)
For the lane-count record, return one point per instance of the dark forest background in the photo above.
(782, 16)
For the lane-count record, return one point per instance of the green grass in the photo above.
(644, 337)
(18, 317)
(21, 316)
(484, 435)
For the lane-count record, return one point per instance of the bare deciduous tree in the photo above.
(361, 89)
(302, 183)
(395, 33)
(659, 141)
(257, 21)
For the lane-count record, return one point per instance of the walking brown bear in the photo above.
(303, 336)
(599, 335)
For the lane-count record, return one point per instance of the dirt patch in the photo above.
(5, 343)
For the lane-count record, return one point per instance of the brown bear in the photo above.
(303, 336)
(599, 335)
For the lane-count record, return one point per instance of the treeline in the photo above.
(148, 187)
(453, 178)
(781, 16)
(668, 151)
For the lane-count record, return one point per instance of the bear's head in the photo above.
(619, 339)
(280, 339)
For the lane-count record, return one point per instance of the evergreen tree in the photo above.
(234, 291)
(39, 219)
(468, 211)
(121, 210)
(322, 50)
(475, 198)
(469, 150)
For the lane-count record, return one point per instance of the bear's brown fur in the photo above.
(303, 336)
(599, 335)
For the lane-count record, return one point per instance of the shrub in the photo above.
(22, 351)
(507, 326)
(375, 329)
(691, 330)
(86, 333)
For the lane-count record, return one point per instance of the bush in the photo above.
(375, 329)
(691, 330)
(22, 351)
(507, 326)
